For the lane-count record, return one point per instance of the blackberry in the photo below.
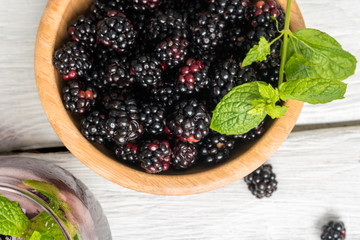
(152, 116)
(72, 60)
(234, 11)
(333, 231)
(127, 152)
(123, 124)
(78, 97)
(253, 133)
(101, 8)
(190, 121)
(118, 75)
(93, 127)
(189, 8)
(2, 237)
(155, 155)
(193, 77)
(262, 182)
(172, 51)
(117, 32)
(142, 5)
(261, 12)
(207, 31)
(83, 30)
(147, 70)
(112, 98)
(216, 147)
(184, 155)
(165, 94)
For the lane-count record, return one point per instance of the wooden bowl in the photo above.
(52, 34)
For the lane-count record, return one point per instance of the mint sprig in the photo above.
(314, 64)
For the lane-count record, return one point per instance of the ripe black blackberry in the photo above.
(118, 75)
(234, 11)
(261, 12)
(172, 51)
(193, 77)
(155, 155)
(216, 147)
(190, 121)
(2, 237)
(262, 182)
(116, 31)
(253, 133)
(189, 8)
(79, 97)
(142, 5)
(101, 8)
(72, 60)
(123, 124)
(147, 70)
(93, 127)
(83, 30)
(334, 230)
(152, 116)
(184, 155)
(165, 94)
(127, 152)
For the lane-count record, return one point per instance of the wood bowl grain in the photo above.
(52, 34)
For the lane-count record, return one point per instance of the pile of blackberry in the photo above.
(143, 77)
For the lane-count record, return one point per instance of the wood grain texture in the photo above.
(318, 175)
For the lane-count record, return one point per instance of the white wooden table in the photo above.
(318, 167)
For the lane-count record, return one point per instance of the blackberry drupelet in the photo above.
(172, 51)
(165, 94)
(147, 70)
(83, 30)
(72, 60)
(79, 97)
(253, 133)
(142, 5)
(234, 11)
(334, 230)
(193, 77)
(262, 182)
(155, 155)
(190, 121)
(216, 147)
(93, 127)
(123, 124)
(184, 155)
(152, 116)
(117, 32)
(127, 152)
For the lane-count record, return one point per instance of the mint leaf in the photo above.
(316, 55)
(35, 236)
(235, 113)
(46, 226)
(271, 96)
(276, 111)
(313, 91)
(257, 52)
(13, 221)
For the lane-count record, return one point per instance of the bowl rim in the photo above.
(121, 174)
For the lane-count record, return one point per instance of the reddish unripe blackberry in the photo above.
(142, 5)
(193, 77)
(83, 30)
(253, 133)
(184, 155)
(127, 152)
(93, 127)
(152, 116)
(147, 70)
(72, 60)
(172, 51)
(333, 230)
(116, 31)
(216, 147)
(262, 182)
(190, 121)
(155, 155)
(234, 11)
(261, 12)
(78, 97)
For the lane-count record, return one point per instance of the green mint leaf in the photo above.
(271, 96)
(13, 221)
(35, 236)
(235, 113)
(313, 91)
(276, 111)
(317, 55)
(46, 226)
(257, 52)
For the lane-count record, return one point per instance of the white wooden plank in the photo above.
(318, 175)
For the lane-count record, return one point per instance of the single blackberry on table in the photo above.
(262, 182)
(234, 11)
(190, 121)
(116, 31)
(216, 147)
(333, 230)
(184, 155)
(152, 116)
(101, 8)
(253, 133)
(83, 30)
(128, 152)
(147, 70)
(79, 97)
(155, 155)
(123, 124)
(172, 51)
(165, 94)
(93, 127)
(72, 60)
(142, 5)
(193, 77)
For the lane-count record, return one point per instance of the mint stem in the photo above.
(285, 42)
